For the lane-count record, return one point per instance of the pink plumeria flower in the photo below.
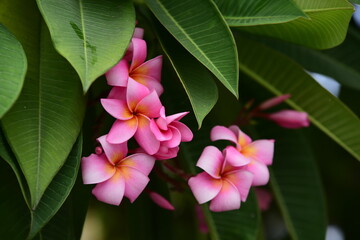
(133, 107)
(289, 118)
(222, 183)
(161, 201)
(147, 73)
(116, 174)
(259, 153)
(169, 131)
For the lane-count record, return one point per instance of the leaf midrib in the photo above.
(84, 39)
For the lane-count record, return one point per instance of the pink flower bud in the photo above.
(264, 198)
(161, 201)
(289, 118)
(273, 102)
(98, 150)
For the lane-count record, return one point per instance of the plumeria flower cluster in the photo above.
(135, 104)
(229, 174)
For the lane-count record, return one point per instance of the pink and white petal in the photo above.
(118, 75)
(227, 199)
(186, 133)
(159, 134)
(260, 150)
(121, 131)
(118, 93)
(151, 83)
(135, 182)
(175, 117)
(222, 133)
(116, 108)
(114, 152)
(234, 157)
(260, 172)
(142, 162)
(242, 180)
(211, 161)
(139, 51)
(161, 201)
(166, 153)
(150, 68)
(204, 187)
(149, 106)
(96, 169)
(138, 33)
(135, 92)
(175, 140)
(242, 138)
(144, 136)
(110, 191)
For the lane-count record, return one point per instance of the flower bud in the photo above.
(289, 118)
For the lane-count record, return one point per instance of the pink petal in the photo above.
(114, 152)
(175, 140)
(211, 161)
(273, 102)
(96, 169)
(260, 172)
(151, 83)
(166, 153)
(290, 119)
(118, 93)
(222, 133)
(135, 182)
(186, 133)
(135, 92)
(116, 108)
(175, 117)
(140, 161)
(234, 157)
(122, 130)
(242, 138)
(139, 53)
(110, 191)
(151, 68)
(138, 33)
(118, 75)
(260, 150)
(227, 199)
(161, 201)
(204, 187)
(145, 138)
(160, 135)
(242, 180)
(149, 106)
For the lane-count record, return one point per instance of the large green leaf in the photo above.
(196, 80)
(325, 28)
(280, 75)
(258, 12)
(92, 35)
(12, 69)
(200, 28)
(297, 187)
(58, 190)
(44, 123)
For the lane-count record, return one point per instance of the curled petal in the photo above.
(118, 93)
(140, 161)
(135, 92)
(151, 83)
(118, 75)
(122, 130)
(166, 153)
(260, 150)
(222, 133)
(110, 191)
(234, 157)
(113, 152)
(144, 136)
(161, 201)
(160, 135)
(242, 138)
(175, 117)
(116, 108)
(149, 106)
(175, 140)
(204, 187)
(227, 199)
(151, 68)
(186, 133)
(139, 50)
(211, 161)
(260, 172)
(135, 182)
(242, 180)
(96, 169)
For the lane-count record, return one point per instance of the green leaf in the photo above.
(196, 80)
(12, 69)
(45, 121)
(199, 27)
(325, 28)
(92, 35)
(58, 190)
(355, 1)
(297, 187)
(280, 75)
(258, 12)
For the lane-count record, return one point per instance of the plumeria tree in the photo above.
(179, 119)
